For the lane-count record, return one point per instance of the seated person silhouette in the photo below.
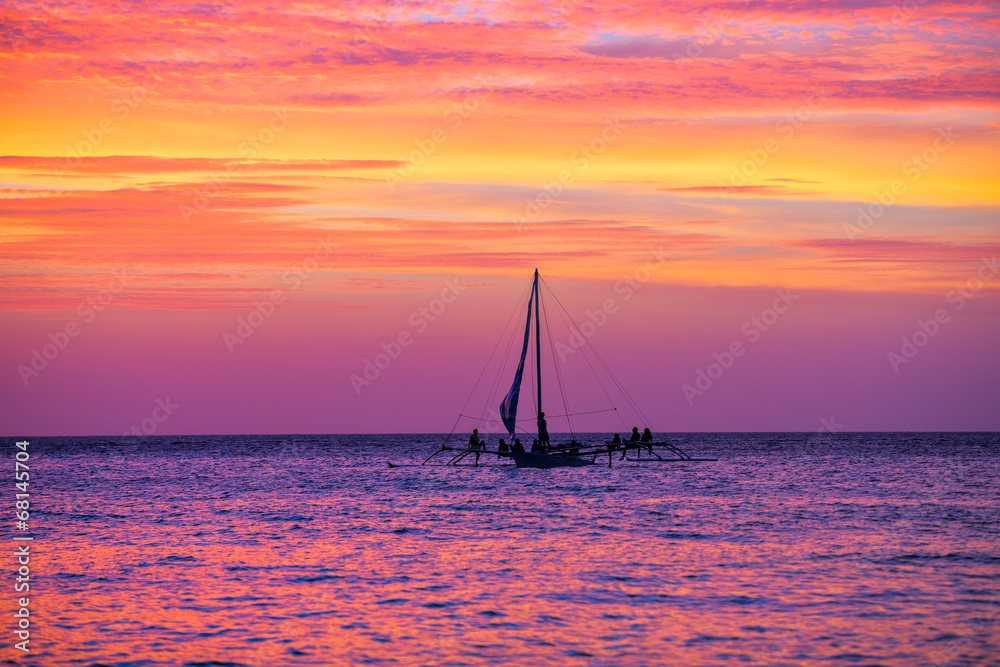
(502, 447)
(474, 441)
(535, 447)
(633, 441)
(517, 446)
(647, 436)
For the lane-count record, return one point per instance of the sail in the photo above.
(508, 407)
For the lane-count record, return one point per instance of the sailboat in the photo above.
(543, 454)
(550, 457)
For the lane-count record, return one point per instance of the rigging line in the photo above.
(533, 367)
(486, 365)
(513, 346)
(498, 421)
(529, 419)
(587, 412)
(493, 388)
(452, 431)
(632, 402)
(618, 383)
(499, 390)
(573, 326)
(628, 399)
(485, 419)
(555, 365)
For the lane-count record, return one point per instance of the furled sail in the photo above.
(508, 407)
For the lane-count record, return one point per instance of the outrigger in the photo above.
(568, 454)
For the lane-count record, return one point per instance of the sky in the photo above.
(295, 217)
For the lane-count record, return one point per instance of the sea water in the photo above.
(791, 549)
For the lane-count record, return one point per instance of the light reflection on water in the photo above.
(307, 550)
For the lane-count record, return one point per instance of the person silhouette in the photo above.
(502, 447)
(615, 443)
(634, 438)
(647, 436)
(535, 447)
(517, 446)
(543, 431)
(477, 443)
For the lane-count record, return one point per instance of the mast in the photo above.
(538, 347)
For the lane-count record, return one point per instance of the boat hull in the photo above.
(529, 460)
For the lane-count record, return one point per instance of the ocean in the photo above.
(791, 549)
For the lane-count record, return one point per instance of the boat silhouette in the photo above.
(643, 448)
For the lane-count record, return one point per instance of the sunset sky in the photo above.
(165, 167)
